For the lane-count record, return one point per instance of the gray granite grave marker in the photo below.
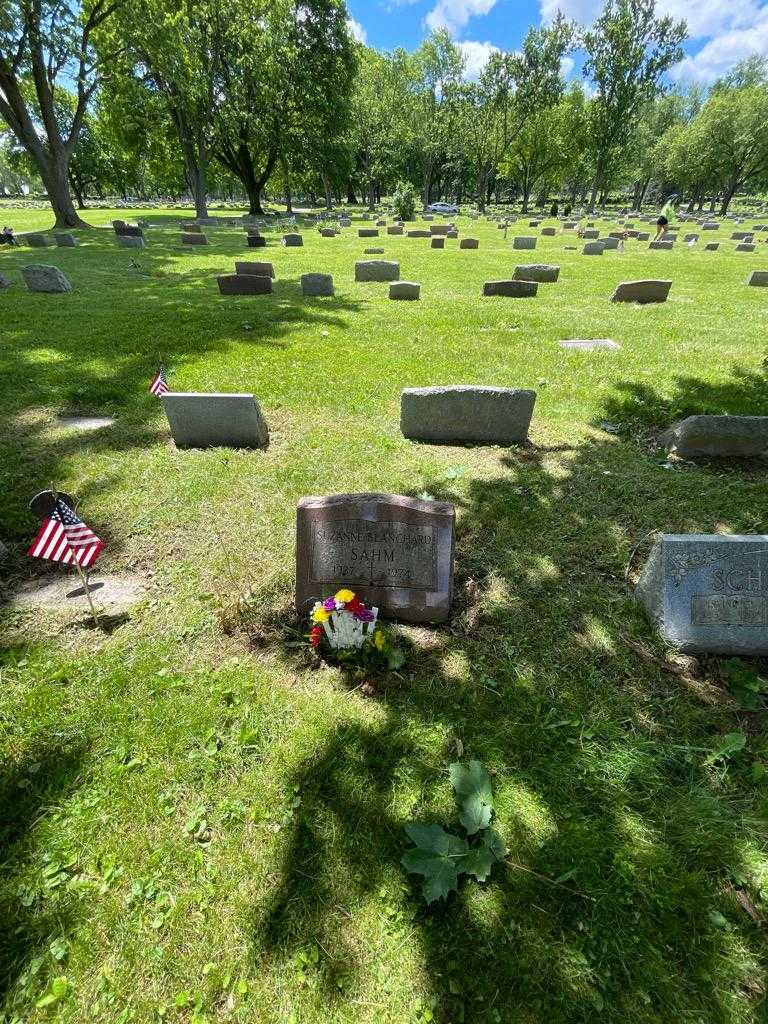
(466, 414)
(708, 593)
(215, 420)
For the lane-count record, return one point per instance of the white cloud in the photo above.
(357, 31)
(567, 64)
(454, 14)
(475, 56)
(728, 32)
(719, 55)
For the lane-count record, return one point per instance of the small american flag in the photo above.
(65, 538)
(159, 385)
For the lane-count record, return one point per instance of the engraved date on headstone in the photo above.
(729, 610)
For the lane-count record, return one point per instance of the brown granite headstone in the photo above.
(395, 552)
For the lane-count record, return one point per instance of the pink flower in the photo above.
(330, 604)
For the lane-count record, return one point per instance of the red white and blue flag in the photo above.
(65, 538)
(159, 385)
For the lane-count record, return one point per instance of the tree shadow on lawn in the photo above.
(43, 775)
(106, 355)
(598, 771)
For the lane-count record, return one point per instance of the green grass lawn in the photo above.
(198, 825)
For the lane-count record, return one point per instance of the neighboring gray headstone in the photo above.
(590, 233)
(194, 239)
(469, 243)
(65, 240)
(511, 289)
(643, 236)
(215, 420)
(439, 229)
(395, 553)
(36, 240)
(548, 232)
(244, 284)
(642, 291)
(40, 278)
(377, 270)
(255, 268)
(611, 242)
(593, 249)
(758, 279)
(690, 238)
(367, 233)
(407, 290)
(709, 225)
(662, 244)
(453, 233)
(373, 252)
(418, 233)
(709, 436)
(190, 227)
(395, 229)
(466, 414)
(711, 247)
(293, 241)
(708, 593)
(345, 222)
(327, 233)
(317, 284)
(745, 247)
(544, 273)
(437, 243)
(524, 242)
(131, 241)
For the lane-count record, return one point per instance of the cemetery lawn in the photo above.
(199, 825)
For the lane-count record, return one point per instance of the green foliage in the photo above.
(404, 200)
(744, 682)
(554, 209)
(441, 856)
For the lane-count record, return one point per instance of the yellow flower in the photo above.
(379, 640)
(319, 614)
(345, 596)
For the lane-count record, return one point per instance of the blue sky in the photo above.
(721, 33)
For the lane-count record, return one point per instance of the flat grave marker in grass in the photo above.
(511, 289)
(395, 552)
(215, 420)
(708, 593)
(590, 344)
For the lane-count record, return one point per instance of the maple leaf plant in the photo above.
(440, 856)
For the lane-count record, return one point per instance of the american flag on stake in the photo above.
(65, 538)
(159, 385)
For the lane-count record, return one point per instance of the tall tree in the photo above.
(286, 80)
(42, 43)
(175, 48)
(438, 68)
(628, 51)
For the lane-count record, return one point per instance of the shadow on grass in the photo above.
(95, 350)
(44, 774)
(598, 769)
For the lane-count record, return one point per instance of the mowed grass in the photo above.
(196, 825)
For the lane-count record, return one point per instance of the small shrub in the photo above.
(404, 200)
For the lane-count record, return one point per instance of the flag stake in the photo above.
(87, 590)
(82, 575)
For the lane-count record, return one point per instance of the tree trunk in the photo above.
(351, 197)
(727, 197)
(426, 191)
(56, 180)
(328, 193)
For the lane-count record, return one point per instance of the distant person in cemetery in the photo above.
(8, 237)
(663, 222)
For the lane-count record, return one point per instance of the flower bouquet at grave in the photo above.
(345, 630)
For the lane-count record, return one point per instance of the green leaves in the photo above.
(441, 856)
